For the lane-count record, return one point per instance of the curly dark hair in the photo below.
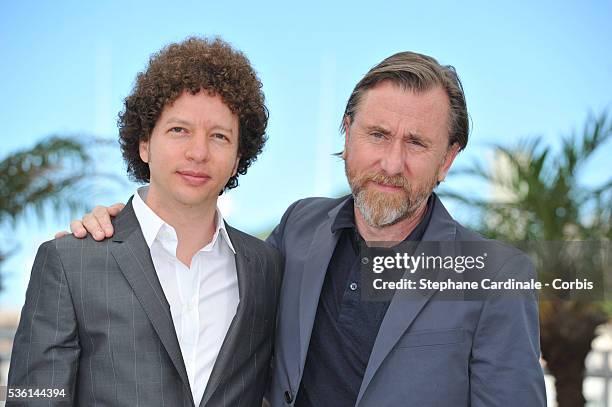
(193, 65)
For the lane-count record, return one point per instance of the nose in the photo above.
(392, 161)
(197, 148)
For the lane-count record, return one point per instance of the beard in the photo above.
(380, 209)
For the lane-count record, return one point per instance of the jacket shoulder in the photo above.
(315, 207)
(498, 252)
(499, 247)
(252, 242)
(69, 243)
(503, 259)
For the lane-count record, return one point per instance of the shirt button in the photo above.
(353, 286)
(288, 397)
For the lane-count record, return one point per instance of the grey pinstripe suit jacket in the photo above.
(96, 322)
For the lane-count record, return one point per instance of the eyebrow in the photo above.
(385, 131)
(176, 120)
(415, 137)
(378, 129)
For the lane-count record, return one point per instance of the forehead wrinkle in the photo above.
(176, 120)
(399, 126)
(202, 107)
(185, 122)
(390, 107)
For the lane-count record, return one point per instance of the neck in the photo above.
(194, 225)
(391, 233)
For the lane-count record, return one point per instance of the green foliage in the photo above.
(538, 198)
(52, 177)
(46, 173)
(541, 196)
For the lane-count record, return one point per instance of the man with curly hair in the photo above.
(177, 308)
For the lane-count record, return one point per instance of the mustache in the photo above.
(380, 178)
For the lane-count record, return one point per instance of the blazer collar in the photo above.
(403, 310)
(132, 254)
(312, 277)
(240, 327)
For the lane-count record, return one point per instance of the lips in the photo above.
(194, 178)
(386, 187)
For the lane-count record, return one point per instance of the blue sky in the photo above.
(528, 68)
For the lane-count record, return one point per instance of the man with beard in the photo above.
(404, 124)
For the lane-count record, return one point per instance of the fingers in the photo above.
(92, 226)
(114, 210)
(102, 220)
(97, 223)
(77, 229)
(61, 234)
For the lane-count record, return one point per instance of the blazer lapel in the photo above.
(133, 256)
(404, 308)
(240, 325)
(313, 275)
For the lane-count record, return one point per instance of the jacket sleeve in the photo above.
(276, 238)
(46, 346)
(504, 367)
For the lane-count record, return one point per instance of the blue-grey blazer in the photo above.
(428, 352)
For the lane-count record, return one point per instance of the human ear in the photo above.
(143, 150)
(449, 157)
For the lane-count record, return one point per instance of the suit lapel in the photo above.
(313, 275)
(404, 308)
(240, 325)
(132, 254)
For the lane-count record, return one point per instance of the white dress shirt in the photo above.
(203, 298)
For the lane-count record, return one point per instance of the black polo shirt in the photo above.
(345, 327)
